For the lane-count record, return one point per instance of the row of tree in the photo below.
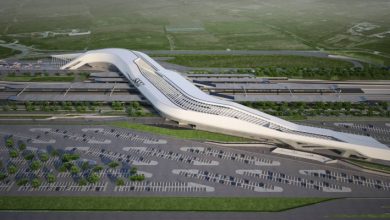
(322, 108)
(335, 73)
(132, 109)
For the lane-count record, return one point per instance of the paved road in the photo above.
(24, 50)
(81, 120)
(307, 53)
(312, 53)
(326, 210)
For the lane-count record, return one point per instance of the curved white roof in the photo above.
(178, 99)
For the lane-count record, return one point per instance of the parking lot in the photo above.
(228, 180)
(347, 178)
(127, 162)
(124, 158)
(64, 186)
(164, 187)
(294, 180)
(170, 155)
(241, 157)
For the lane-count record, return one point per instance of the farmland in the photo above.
(357, 26)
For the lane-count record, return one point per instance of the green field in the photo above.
(5, 52)
(379, 59)
(358, 26)
(102, 203)
(39, 78)
(238, 61)
(370, 165)
(181, 133)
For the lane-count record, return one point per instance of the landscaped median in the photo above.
(181, 133)
(99, 203)
(40, 78)
(369, 165)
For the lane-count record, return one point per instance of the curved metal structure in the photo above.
(177, 99)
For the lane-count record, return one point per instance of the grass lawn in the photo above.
(181, 133)
(294, 118)
(39, 78)
(366, 56)
(154, 203)
(239, 61)
(6, 52)
(370, 165)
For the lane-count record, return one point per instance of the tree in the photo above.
(137, 177)
(135, 105)
(62, 168)
(3, 176)
(22, 182)
(9, 142)
(131, 111)
(85, 165)
(50, 178)
(29, 156)
(30, 106)
(69, 157)
(346, 105)
(12, 169)
(113, 164)
(44, 157)
(320, 105)
(35, 165)
(93, 178)
(68, 165)
(384, 105)
(74, 170)
(92, 108)
(283, 106)
(82, 182)
(22, 146)
(120, 182)
(97, 168)
(67, 106)
(133, 170)
(35, 183)
(54, 153)
(13, 153)
(81, 109)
